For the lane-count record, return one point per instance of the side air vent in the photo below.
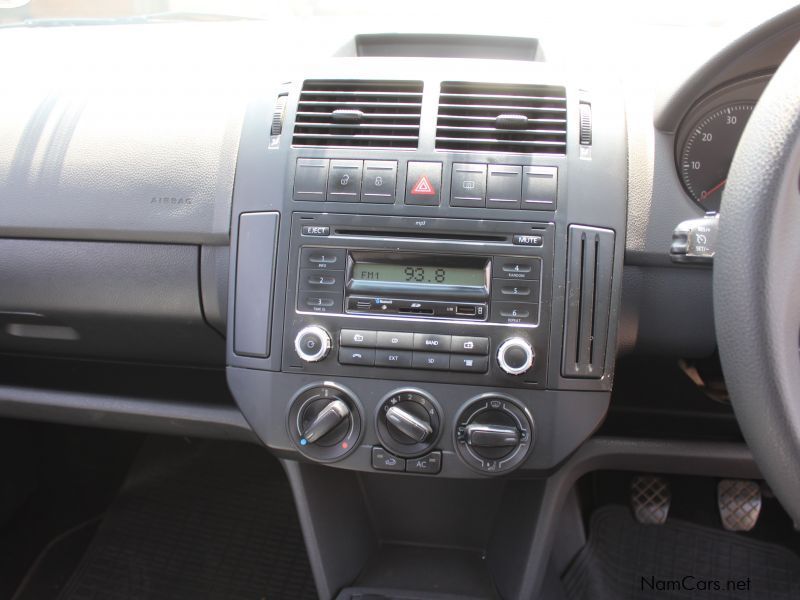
(591, 262)
(358, 114)
(488, 117)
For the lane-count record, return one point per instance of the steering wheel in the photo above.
(757, 284)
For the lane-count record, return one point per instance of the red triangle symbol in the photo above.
(423, 187)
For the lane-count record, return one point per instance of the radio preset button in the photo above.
(469, 344)
(357, 356)
(344, 181)
(505, 289)
(322, 258)
(515, 313)
(360, 338)
(400, 359)
(432, 342)
(469, 363)
(517, 267)
(430, 360)
(395, 340)
(319, 302)
(321, 279)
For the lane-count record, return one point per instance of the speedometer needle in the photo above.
(704, 195)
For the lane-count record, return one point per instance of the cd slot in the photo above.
(420, 235)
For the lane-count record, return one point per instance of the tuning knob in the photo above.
(312, 344)
(515, 356)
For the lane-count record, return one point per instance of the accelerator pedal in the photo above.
(650, 499)
(739, 502)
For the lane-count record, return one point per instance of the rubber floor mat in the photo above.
(624, 560)
(197, 520)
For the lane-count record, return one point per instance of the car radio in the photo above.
(418, 299)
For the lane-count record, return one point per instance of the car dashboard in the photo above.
(407, 264)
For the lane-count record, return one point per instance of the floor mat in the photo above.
(197, 520)
(625, 560)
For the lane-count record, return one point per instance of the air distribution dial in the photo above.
(494, 434)
(325, 422)
(408, 423)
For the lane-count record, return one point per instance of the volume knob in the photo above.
(515, 356)
(312, 343)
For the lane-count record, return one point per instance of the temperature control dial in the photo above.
(408, 423)
(325, 422)
(494, 434)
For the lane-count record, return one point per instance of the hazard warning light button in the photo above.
(424, 183)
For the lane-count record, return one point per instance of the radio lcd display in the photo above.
(385, 272)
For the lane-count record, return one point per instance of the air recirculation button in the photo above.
(494, 434)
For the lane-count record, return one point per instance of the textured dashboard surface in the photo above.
(136, 143)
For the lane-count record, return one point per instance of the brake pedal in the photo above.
(739, 502)
(650, 499)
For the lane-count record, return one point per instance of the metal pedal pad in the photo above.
(739, 504)
(650, 499)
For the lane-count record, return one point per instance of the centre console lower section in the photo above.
(430, 429)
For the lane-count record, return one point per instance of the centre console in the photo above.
(425, 283)
(425, 271)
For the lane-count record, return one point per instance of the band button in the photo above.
(432, 342)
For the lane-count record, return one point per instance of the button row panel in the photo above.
(413, 359)
(504, 186)
(472, 185)
(382, 460)
(324, 180)
(401, 340)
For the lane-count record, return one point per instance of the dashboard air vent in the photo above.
(358, 114)
(590, 256)
(487, 117)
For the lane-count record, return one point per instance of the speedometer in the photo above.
(708, 150)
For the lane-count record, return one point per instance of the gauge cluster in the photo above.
(708, 137)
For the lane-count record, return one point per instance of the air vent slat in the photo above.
(354, 135)
(355, 113)
(485, 117)
(502, 141)
(366, 103)
(363, 125)
(457, 128)
(502, 108)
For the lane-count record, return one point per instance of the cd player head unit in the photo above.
(415, 297)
